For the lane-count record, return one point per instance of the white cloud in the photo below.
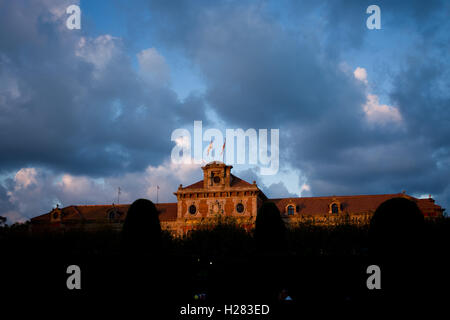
(361, 74)
(305, 187)
(374, 111)
(98, 51)
(35, 191)
(153, 66)
(380, 113)
(78, 186)
(25, 177)
(25, 191)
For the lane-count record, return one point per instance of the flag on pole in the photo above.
(209, 147)
(223, 147)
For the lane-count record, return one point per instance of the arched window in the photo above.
(240, 208)
(334, 208)
(290, 210)
(112, 215)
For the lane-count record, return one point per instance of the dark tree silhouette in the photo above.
(396, 229)
(141, 233)
(269, 228)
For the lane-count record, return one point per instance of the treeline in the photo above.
(225, 263)
(225, 239)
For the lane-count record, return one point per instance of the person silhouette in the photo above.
(396, 238)
(141, 233)
(141, 249)
(269, 228)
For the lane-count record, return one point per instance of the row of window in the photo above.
(239, 208)
(291, 209)
(217, 194)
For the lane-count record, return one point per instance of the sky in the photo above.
(85, 111)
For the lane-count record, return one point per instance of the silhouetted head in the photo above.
(269, 227)
(396, 228)
(141, 229)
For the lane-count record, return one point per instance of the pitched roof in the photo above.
(307, 206)
(197, 185)
(238, 182)
(235, 182)
(352, 204)
(167, 212)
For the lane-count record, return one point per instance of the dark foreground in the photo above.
(322, 270)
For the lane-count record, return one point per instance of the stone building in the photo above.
(223, 196)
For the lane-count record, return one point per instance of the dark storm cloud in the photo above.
(74, 103)
(257, 72)
(343, 23)
(422, 94)
(261, 71)
(78, 106)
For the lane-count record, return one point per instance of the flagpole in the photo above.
(223, 149)
(209, 147)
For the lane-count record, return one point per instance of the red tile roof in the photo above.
(235, 182)
(197, 185)
(304, 206)
(238, 182)
(351, 204)
(167, 212)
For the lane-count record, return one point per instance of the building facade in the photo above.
(223, 196)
